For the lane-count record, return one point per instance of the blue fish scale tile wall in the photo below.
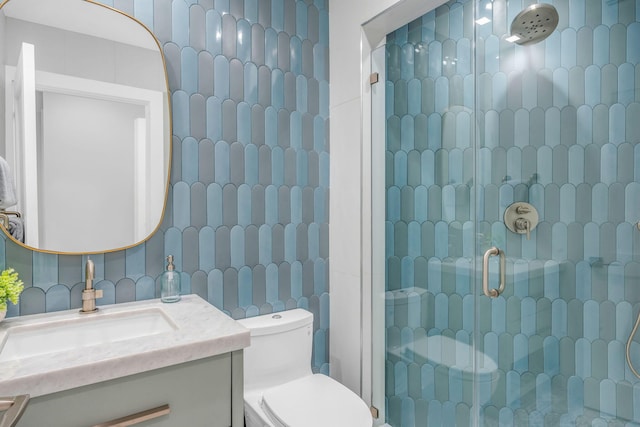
(247, 213)
(470, 131)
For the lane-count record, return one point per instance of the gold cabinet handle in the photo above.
(493, 293)
(14, 407)
(133, 419)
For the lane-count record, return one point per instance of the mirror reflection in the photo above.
(85, 117)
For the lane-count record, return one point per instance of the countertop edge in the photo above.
(55, 381)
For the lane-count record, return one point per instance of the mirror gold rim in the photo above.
(168, 141)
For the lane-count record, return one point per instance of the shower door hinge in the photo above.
(374, 412)
(373, 78)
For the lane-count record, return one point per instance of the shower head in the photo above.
(534, 24)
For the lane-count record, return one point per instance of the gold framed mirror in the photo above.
(86, 120)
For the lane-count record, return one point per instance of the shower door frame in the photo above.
(372, 357)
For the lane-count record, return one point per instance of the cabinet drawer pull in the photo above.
(14, 408)
(137, 418)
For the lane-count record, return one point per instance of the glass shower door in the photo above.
(430, 221)
(478, 126)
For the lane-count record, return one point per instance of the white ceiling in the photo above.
(82, 17)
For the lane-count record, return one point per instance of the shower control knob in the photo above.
(522, 224)
(521, 218)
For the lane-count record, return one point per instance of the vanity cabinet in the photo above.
(205, 392)
(195, 367)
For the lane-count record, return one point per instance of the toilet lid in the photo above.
(316, 401)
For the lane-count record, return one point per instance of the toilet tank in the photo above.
(280, 349)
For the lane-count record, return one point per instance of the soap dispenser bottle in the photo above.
(170, 287)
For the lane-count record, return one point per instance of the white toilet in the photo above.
(280, 389)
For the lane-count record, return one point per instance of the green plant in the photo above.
(10, 287)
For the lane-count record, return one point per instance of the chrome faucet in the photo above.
(89, 294)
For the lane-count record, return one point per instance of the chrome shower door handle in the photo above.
(493, 293)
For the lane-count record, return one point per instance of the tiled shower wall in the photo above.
(248, 205)
(555, 124)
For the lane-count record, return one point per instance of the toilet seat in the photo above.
(332, 404)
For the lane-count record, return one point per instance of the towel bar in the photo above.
(4, 217)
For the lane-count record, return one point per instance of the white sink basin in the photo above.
(83, 330)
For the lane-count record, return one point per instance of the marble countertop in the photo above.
(199, 330)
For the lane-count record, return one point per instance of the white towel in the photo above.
(7, 187)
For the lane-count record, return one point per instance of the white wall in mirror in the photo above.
(82, 55)
(65, 178)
